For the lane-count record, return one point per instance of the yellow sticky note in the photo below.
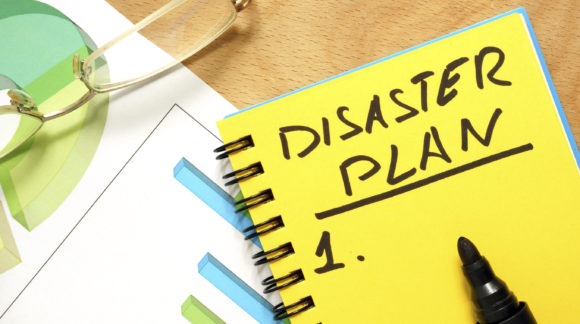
(376, 174)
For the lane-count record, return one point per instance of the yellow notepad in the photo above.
(377, 172)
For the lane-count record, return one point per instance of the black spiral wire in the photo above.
(232, 147)
(281, 312)
(271, 284)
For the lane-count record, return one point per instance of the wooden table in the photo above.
(277, 46)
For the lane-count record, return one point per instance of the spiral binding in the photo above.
(235, 146)
(264, 227)
(271, 284)
(281, 312)
(243, 174)
(261, 197)
(274, 254)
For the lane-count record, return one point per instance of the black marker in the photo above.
(494, 302)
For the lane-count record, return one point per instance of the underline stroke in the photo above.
(423, 182)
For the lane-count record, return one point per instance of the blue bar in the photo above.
(237, 290)
(211, 194)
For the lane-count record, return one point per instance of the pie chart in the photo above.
(39, 43)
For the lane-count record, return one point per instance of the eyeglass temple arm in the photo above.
(238, 4)
(75, 105)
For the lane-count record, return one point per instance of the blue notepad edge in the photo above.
(522, 11)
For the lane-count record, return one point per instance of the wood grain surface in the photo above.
(277, 46)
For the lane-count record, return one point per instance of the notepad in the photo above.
(361, 184)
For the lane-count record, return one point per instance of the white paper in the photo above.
(134, 256)
(124, 246)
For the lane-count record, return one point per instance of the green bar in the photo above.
(9, 256)
(196, 313)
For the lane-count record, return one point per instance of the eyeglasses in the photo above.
(180, 27)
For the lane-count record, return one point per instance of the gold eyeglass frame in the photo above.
(22, 103)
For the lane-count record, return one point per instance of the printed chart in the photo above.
(42, 42)
(149, 244)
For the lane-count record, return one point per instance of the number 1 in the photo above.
(324, 247)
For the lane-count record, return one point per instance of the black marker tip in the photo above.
(467, 251)
(495, 303)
